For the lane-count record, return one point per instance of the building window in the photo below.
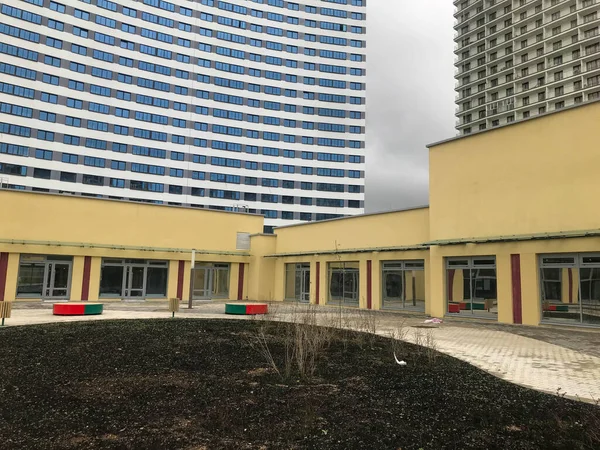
(133, 278)
(45, 277)
(471, 286)
(403, 285)
(210, 280)
(297, 282)
(343, 283)
(570, 288)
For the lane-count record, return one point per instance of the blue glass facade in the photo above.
(253, 105)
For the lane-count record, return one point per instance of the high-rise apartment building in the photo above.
(520, 58)
(254, 105)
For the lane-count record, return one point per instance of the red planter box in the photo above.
(453, 308)
(257, 309)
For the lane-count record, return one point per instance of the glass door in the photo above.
(305, 284)
(350, 294)
(134, 281)
(56, 283)
(211, 281)
(393, 284)
(220, 281)
(201, 281)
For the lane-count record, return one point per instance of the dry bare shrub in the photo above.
(366, 322)
(304, 342)
(430, 345)
(418, 339)
(259, 342)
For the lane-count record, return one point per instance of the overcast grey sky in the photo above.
(410, 96)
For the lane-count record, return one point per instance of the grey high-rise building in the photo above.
(517, 59)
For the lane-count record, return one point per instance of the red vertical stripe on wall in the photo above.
(3, 272)
(369, 282)
(180, 275)
(241, 283)
(515, 264)
(318, 283)
(450, 284)
(570, 285)
(85, 285)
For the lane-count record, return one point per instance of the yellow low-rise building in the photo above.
(511, 234)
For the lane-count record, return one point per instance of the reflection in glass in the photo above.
(211, 280)
(31, 279)
(157, 281)
(471, 286)
(297, 282)
(344, 283)
(590, 295)
(560, 290)
(61, 280)
(200, 278)
(136, 278)
(403, 285)
(111, 281)
(221, 284)
(44, 276)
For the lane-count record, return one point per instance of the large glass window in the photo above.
(471, 286)
(403, 284)
(343, 283)
(210, 280)
(133, 278)
(570, 288)
(297, 282)
(46, 277)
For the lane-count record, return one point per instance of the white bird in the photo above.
(402, 363)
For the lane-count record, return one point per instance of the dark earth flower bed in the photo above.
(199, 384)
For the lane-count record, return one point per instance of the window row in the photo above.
(160, 136)
(20, 150)
(402, 283)
(98, 180)
(182, 25)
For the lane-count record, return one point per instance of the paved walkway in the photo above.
(505, 352)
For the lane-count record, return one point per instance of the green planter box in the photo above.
(232, 308)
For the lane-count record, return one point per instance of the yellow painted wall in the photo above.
(95, 278)
(262, 274)
(504, 288)
(10, 289)
(80, 219)
(173, 274)
(375, 230)
(234, 276)
(77, 278)
(530, 177)
(530, 286)
(187, 267)
(376, 287)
